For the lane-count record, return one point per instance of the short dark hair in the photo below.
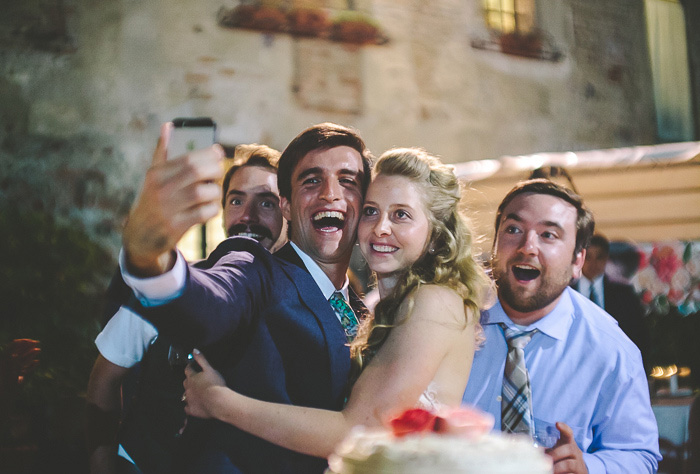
(600, 241)
(261, 156)
(320, 137)
(585, 223)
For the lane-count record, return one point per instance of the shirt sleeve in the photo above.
(626, 435)
(158, 290)
(125, 338)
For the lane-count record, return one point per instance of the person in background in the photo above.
(555, 366)
(417, 348)
(618, 299)
(280, 323)
(130, 345)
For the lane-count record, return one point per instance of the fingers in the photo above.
(189, 372)
(201, 360)
(566, 455)
(160, 155)
(566, 433)
(176, 195)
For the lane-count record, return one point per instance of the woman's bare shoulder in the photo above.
(438, 303)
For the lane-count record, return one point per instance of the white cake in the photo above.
(382, 452)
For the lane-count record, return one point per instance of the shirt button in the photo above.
(498, 398)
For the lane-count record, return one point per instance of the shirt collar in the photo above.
(322, 281)
(555, 324)
(597, 281)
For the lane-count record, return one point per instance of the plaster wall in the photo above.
(84, 86)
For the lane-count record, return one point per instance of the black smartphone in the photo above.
(191, 134)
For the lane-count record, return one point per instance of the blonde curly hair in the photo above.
(449, 262)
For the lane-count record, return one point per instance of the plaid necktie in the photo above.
(516, 399)
(345, 314)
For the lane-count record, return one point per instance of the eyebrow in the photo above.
(517, 218)
(265, 194)
(318, 170)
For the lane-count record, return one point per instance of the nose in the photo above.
(250, 213)
(382, 226)
(331, 190)
(528, 245)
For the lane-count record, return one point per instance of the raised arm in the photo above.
(432, 343)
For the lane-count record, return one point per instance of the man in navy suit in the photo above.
(265, 321)
(618, 299)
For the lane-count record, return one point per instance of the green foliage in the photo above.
(356, 17)
(52, 280)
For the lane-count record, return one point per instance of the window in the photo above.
(510, 16)
(670, 70)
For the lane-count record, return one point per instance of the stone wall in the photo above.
(85, 84)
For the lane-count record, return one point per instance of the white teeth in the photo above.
(525, 267)
(251, 235)
(383, 248)
(335, 214)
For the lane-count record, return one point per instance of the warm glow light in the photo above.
(478, 169)
(666, 372)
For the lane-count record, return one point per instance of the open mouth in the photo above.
(257, 237)
(383, 248)
(525, 272)
(328, 221)
(254, 231)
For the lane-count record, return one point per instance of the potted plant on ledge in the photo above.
(528, 44)
(357, 28)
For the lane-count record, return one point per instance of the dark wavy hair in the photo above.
(320, 137)
(261, 156)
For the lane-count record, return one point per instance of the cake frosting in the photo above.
(441, 449)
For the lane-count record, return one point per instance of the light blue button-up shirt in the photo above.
(584, 372)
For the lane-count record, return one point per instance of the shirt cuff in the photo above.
(157, 290)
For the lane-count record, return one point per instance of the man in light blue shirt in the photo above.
(590, 398)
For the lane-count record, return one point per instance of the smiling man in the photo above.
(282, 340)
(251, 200)
(555, 366)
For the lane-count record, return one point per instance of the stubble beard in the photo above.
(549, 289)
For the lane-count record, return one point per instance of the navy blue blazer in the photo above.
(268, 329)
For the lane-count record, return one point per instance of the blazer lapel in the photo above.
(311, 296)
(288, 253)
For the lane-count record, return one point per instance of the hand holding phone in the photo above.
(176, 195)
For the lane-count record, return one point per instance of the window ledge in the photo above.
(346, 27)
(529, 46)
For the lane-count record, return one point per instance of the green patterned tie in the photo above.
(345, 314)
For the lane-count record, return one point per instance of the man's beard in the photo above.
(261, 231)
(549, 289)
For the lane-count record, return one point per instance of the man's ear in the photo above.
(578, 264)
(286, 208)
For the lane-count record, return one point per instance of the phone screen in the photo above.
(191, 134)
